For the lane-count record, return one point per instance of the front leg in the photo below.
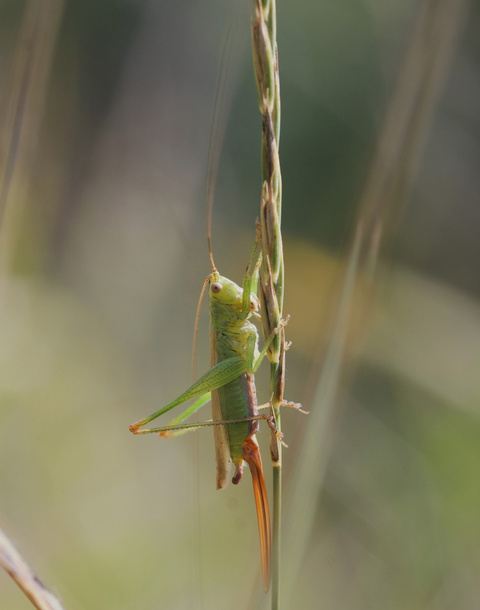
(252, 364)
(250, 281)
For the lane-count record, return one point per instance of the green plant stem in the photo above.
(276, 531)
(264, 46)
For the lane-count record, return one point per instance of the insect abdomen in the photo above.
(238, 400)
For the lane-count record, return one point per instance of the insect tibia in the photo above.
(254, 304)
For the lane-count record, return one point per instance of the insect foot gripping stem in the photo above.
(272, 423)
(294, 405)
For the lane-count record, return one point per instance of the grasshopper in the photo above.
(230, 385)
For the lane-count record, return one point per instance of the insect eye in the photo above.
(216, 287)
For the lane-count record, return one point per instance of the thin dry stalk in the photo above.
(422, 74)
(25, 577)
(21, 114)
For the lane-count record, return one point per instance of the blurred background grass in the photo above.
(103, 253)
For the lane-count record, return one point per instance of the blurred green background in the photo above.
(106, 118)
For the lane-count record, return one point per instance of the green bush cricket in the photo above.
(230, 386)
(230, 383)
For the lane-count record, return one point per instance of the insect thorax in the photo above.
(232, 338)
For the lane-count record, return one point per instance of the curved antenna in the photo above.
(195, 332)
(223, 96)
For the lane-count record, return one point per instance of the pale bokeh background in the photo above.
(103, 254)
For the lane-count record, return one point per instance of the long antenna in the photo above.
(223, 98)
(195, 334)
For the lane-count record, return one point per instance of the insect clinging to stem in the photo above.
(230, 385)
(230, 382)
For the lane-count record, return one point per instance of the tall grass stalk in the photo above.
(21, 113)
(423, 72)
(265, 60)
